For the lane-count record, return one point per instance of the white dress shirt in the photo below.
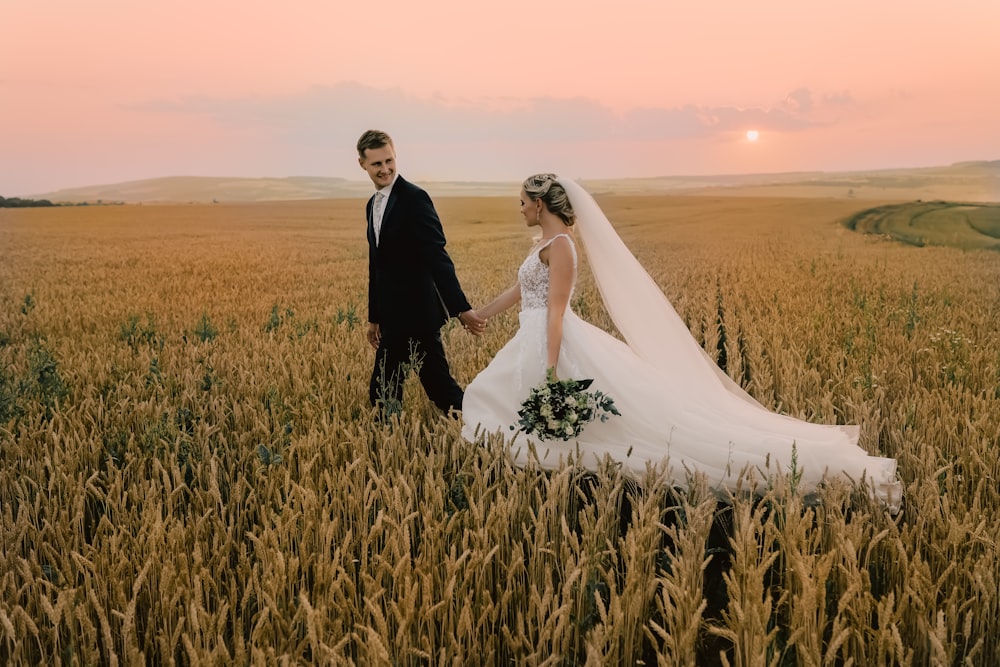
(378, 207)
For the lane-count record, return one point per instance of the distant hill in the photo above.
(965, 181)
(183, 189)
(208, 189)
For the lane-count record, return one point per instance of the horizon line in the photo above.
(363, 182)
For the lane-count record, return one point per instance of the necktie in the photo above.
(377, 214)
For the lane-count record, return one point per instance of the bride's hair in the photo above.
(547, 188)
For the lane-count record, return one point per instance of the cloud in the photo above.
(841, 99)
(324, 115)
(799, 101)
(313, 131)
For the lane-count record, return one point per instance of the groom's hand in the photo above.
(472, 322)
(374, 334)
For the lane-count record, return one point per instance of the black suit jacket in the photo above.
(412, 286)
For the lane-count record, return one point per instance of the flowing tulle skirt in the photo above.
(661, 422)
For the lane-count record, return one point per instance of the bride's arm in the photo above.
(507, 298)
(560, 261)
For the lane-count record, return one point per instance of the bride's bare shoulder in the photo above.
(559, 247)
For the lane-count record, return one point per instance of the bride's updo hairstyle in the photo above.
(552, 194)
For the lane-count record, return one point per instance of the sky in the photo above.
(105, 91)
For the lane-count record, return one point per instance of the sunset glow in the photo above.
(116, 90)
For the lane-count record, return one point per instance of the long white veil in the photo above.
(641, 312)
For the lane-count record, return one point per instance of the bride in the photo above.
(676, 405)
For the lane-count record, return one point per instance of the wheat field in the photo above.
(190, 474)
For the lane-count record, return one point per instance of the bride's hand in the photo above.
(473, 322)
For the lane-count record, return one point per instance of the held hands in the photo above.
(473, 322)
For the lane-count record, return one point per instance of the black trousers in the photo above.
(398, 354)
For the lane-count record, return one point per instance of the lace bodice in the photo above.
(534, 277)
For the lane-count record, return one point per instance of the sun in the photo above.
(752, 135)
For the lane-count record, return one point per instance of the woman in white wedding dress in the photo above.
(677, 407)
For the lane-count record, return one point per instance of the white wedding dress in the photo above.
(677, 408)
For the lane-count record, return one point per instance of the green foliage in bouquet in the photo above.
(562, 408)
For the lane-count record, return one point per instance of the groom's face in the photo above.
(380, 163)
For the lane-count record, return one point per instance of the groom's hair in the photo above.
(373, 139)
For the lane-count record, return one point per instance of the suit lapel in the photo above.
(368, 216)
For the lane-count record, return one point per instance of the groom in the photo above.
(412, 286)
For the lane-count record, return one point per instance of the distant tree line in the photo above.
(17, 202)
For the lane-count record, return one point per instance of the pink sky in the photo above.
(114, 90)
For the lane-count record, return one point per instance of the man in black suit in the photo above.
(412, 286)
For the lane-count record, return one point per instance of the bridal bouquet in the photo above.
(561, 408)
